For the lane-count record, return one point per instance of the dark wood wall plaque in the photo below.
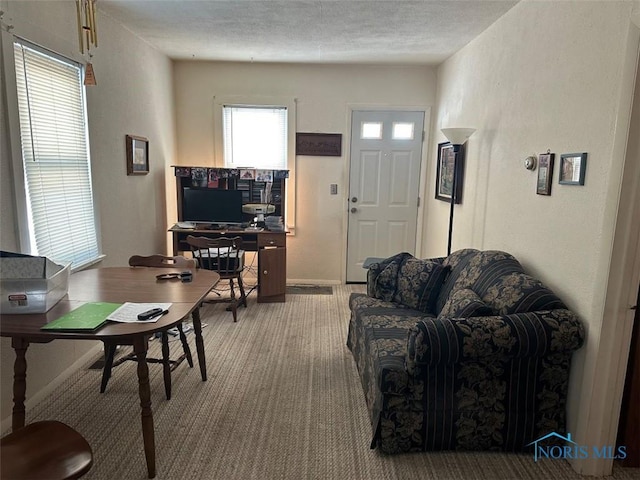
(320, 144)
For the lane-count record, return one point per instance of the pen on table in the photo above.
(164, 312)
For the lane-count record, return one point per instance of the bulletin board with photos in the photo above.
(254, 183)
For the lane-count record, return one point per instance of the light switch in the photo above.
(334, 189)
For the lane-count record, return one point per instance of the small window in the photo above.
(255, 137)
(402, 131)
(371, 131)
(55, 156)
(255, 131)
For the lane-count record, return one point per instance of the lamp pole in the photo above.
(457, 136)
(456, 149)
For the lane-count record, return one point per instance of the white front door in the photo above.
(386, 148)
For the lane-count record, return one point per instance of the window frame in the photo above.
(19, 192)
(260, 101)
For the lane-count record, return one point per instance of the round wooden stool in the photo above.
(47, 449)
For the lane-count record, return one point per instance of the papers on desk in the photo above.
(128, 312)
(185, 225)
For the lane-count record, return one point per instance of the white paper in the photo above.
(128, 312)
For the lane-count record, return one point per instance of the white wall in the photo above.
(133, 96)
(547, 75)
(324, 95)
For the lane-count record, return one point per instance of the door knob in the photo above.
(354, 199)
(354, 210)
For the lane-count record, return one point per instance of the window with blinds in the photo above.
(55, 155)
(255, 137)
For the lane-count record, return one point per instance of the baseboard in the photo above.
(55, 383)
(306, 281)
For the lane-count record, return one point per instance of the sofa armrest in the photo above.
(520, 335)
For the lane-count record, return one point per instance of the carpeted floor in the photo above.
(283, 401)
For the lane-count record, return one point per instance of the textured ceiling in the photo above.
(332, 31)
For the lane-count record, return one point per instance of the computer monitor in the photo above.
(211, 205)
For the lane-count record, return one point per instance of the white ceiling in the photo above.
(313, 31)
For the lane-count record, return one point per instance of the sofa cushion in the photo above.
(464, 303)
(382, 277)
(477, 271)
(361, 302)
(419, 283)
(386, 282)
(520, 293)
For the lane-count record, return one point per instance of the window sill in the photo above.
(87, 264)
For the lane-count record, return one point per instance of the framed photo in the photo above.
(137, 155)
(444, 173)
(319, 144)
(572, 168)
(545, 173)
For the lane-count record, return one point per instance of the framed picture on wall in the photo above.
(319, 144)
(444, 173)
(137, 155)
(572, 168)
(545, 173)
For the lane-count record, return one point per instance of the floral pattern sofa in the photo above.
(466, 352)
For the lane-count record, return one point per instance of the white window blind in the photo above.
(55, 155)
(255, 137)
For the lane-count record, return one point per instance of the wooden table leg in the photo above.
(166, 365)
(20, 346)
(148, 434)
(197, 330)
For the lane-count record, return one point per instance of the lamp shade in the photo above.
(457, 136)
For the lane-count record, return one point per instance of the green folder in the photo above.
(87, 318)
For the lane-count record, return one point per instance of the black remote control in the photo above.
(149, 314)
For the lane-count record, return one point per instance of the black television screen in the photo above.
(210, 205)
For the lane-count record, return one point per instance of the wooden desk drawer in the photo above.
(272, 240)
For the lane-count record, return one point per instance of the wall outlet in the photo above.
(334, 189)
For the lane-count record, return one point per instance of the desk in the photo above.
(272, 256)
(118, 285)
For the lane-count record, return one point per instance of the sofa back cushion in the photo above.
(499, 280)
(520, 293)
(464, 303)
(419, 283)
(474, 269)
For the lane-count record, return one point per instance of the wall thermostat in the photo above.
(530, 162)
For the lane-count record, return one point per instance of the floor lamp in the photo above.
(456, 136)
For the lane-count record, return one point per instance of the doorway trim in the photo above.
(351, 107)
(622, 283)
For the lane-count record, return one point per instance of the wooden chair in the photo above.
(225, 256)
(46, 449)
(157, 261)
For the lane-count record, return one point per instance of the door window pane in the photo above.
(371, 130)
(402, 131)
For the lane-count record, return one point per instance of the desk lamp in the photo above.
(457, 137)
